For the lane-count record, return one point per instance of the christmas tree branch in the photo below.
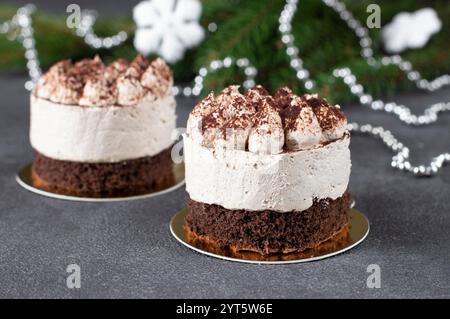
(249, 28)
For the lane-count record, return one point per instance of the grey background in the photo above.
(125, 249)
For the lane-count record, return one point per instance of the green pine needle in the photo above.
(249, 28)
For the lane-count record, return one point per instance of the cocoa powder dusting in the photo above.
(65, 76)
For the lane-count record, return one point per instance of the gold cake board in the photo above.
(345, 240)
(24, 179)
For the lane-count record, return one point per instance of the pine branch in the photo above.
(249, 28)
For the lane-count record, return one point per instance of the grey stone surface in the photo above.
(125, 248)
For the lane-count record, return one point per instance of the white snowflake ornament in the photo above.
(167, 27)
(410, 30)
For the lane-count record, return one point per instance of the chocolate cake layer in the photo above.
(126, 178)
(339, 241)
(269, 232)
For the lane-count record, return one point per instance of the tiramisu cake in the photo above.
(103, 130)
(266, 174)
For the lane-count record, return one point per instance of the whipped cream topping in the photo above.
(332, 121)
(97, 92)
(226, 98)
(157, 78)
(265, 124)
(302, 126)
(266, 136)
(256, 94)
(129, 90)
(283, 97)
(45, 86)
(89, 82)
(67, 93)
(115, 69)
(201, 110)
(234, 133)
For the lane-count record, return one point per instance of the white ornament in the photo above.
(167, 27)
(410, 30)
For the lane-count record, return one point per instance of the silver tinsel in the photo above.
(84, 30)
(20, 28)
(362, 33)
(214, 66)
(430, 115)
(400, 159)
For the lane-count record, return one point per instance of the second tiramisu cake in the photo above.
(266, 174)
(103, 130)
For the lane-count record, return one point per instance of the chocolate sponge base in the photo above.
(100, 180)
(268, 232)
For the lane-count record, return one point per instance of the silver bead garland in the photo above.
(242, 63)
(85, 30)
(296, 63)
(400, 159)
(20, 28)
(367, 52)
(430, 115)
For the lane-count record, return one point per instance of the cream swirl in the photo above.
(98, 92)
(302, 128)
(265, 124)
(129, 90)
(266, 136)
(90, 83)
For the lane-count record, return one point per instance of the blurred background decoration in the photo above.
(249, 28)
